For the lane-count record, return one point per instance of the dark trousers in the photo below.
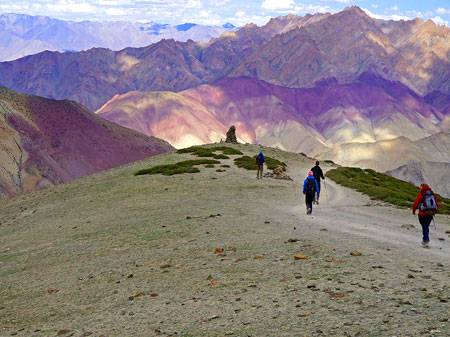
(309, 200)
(425, 221)
(316, 195)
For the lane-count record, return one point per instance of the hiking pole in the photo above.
(435, 229)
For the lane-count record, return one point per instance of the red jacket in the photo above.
(423, 189)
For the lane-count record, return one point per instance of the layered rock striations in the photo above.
(307, 120)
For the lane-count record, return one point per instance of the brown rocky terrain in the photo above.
(290, 51)
(44, 142)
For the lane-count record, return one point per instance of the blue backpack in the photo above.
(428, 203)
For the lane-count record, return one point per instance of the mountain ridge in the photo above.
(328, 114)
(24, 35)
(367, 46)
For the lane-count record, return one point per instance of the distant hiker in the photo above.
(259, 165)
(310, 188)
(428, 205)
(317, 174)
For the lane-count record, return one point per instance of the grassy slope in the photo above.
(382, 187)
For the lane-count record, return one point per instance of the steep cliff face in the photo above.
(290, 51)
(44, 142)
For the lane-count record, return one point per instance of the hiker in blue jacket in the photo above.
(259, 165)
(310, 188)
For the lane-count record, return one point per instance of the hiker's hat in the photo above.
(310, 173)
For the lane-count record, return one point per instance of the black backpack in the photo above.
(311, 186)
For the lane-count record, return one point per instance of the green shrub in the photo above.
(220, 156)
(328, 161)
(273, 163)
(249, 163)
(209, 151)
(186, 166)
(190, 149)
(382, 187)
(209, 165)
(225, 166)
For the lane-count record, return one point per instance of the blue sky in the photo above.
(215, 12)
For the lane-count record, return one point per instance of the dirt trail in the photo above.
(351, 214)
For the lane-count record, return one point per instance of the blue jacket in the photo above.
(306, 180)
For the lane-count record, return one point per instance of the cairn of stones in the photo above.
(231, 135)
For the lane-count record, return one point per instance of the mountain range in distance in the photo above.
(344, 87)
(45, 142)
(290, 51)
(22, 35)
(306, 120)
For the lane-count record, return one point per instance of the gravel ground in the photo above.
(213, 254)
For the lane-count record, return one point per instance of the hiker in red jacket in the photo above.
(427, 204)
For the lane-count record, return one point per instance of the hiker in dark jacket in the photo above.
(259, 165)
(318, 174)
(310, 188)
(427, 204)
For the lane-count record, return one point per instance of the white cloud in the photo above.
(71, 6)
(219, 3)
(240, 14)
(311, 9)
(394, 17)
(416, 14)
(439, 21)
(374, 5)
(339, 1)
(394, 8)
(194, 4)
(241, 21)
(278, 4)
(442, 11)
(115, 11)
(108, 3)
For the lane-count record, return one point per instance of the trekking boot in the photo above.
(309, 211)
(425, 244)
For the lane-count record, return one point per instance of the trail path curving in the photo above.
(352, 216)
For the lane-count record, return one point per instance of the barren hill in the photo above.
(390, 154)
(301, 120)
(213, 254)
(44, 142)
(432, 173)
